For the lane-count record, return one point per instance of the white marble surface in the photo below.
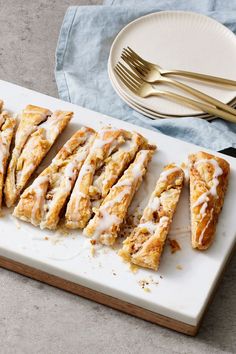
(36, 318)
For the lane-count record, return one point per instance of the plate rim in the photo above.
(160, 13)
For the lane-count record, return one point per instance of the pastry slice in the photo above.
(7, 128)
(115, 165)
(208, 183)
(105, 224)
(36, 133)
(79, 208)
(42, 202)
(145, 244)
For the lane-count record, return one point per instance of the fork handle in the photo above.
(200, 95)
(195, 104)
(201, 77)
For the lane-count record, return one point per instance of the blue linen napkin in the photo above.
(82, 53)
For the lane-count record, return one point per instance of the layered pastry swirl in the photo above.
(37, 131)
(145, 244)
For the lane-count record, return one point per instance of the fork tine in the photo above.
(128, 79)
(135, 68)
(131, 88)
(136, 55)
(125, 81)
(131, 74)
(136, 60)
(135, 65)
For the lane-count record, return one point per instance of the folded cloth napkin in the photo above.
(82, 53)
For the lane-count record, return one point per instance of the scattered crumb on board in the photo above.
(144, 283)
(134, 268)
(92, 250)
(179, 267)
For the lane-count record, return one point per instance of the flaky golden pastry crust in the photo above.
(105, 225)
(208, 184)
(79, 208)
(115, 165)
(37, 131)
(7, 128)
(42, 203)
(145, 244)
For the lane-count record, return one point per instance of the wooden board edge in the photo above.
(96, 296)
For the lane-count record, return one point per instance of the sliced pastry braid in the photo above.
(208, 183)
(115, 165)
(145, 244)
(37, 131)
(105, 225)
(7, 128)
(42, 202)
(79, 208)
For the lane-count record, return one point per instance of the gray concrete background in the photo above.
(36, 318)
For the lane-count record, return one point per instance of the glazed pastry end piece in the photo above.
(145, 244)
(208, 183)
(7, 128)
(41, 203)
(105, 225)
(36, 133)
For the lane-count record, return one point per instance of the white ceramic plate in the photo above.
(142, 109)
(188, 277)
(145, 111)
(182, 40)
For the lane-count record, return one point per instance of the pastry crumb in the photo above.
(179, 267)
(147, 290)
(174, 245)
(92, 251)
(143, 283)
(46, 238)
(133, 268)
(113, 272)
(161, 276)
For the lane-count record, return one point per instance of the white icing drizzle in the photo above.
(153, 227)
(29, 169)
(100, 141)
(127, 146)
(4, 147)
(203, 208)
(35, 111)
(108, 219)
(154, 204)
(51, 125)
(70, 169)
(87, 167)
(39, 194)
(205, 228)
(137, 169)
(203, 198)
(149, 225)
(164, 175)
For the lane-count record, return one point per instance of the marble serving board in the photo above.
(178, 294)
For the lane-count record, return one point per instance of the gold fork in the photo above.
(143, 89)
(190, 74)
(152, 73)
